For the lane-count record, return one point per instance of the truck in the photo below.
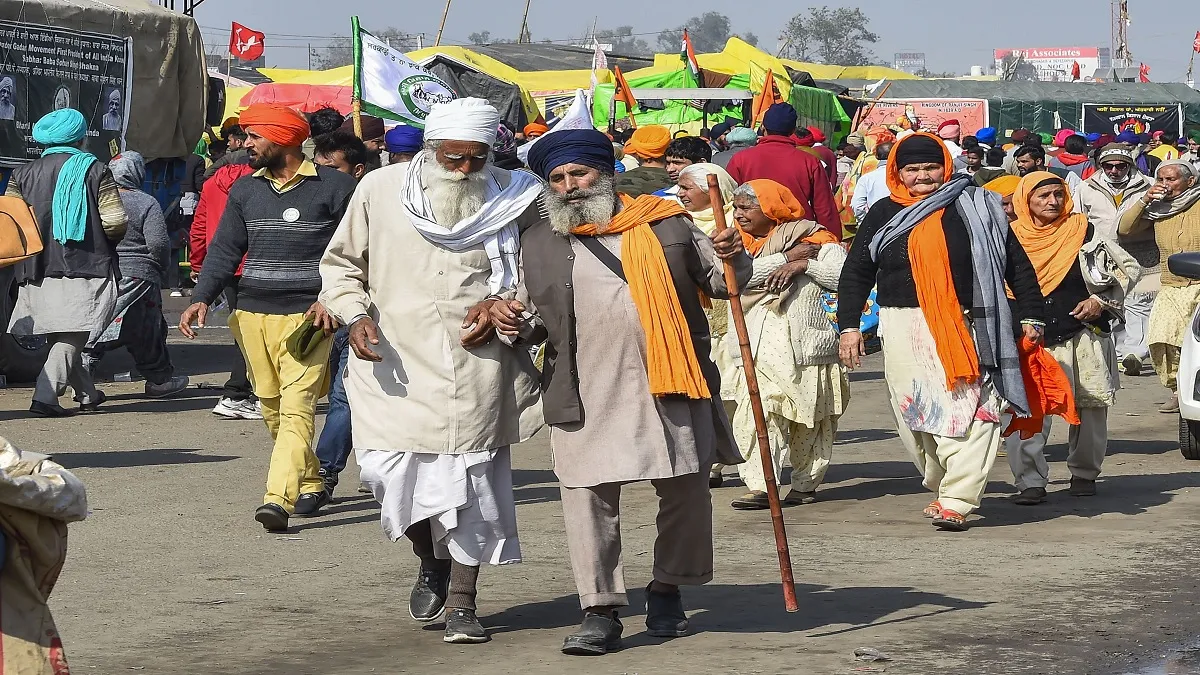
(135, 70)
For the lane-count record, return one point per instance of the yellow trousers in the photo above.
(289, 391)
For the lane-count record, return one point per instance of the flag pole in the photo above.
(760, 419)
(356, 97)
(437, 42)
(871, 107)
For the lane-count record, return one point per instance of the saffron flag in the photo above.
(1074, 70)
(624, 94)
(246, 44)
(1144, 73)
(391, 85)
(766, 98)
(688, 56)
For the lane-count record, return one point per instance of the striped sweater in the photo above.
(282, 236)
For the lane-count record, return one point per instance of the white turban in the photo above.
(463, 119)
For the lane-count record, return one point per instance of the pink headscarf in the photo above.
(1061, 137)
(949, 130)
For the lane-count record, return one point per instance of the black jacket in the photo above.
(1057, 307)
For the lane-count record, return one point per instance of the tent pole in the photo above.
(442, 26)
(524, 24)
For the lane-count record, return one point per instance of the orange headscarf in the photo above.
(1005, 185)
(780, 205)
(535, 129)
(649, 141)
(930, 261)
(276, 123)
(1053, 249)
(671, 361)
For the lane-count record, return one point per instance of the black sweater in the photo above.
(283, 237)
(1057, 307)
(893, 273)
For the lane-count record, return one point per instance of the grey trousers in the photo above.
(683, 549)
(64, 366)
(1130, 337)
(1087, 443)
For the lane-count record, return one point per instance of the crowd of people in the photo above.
(453, 294)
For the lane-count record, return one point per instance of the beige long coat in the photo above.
(429, 394)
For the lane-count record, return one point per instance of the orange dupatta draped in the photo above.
(780, 205)
(930, 260)
(671, 362)
(1053, 249)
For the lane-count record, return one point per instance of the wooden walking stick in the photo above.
(760, 419)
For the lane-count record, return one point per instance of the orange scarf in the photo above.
(1046, 387)
(671, 361)
(930, 261)
(780, 205)
(1053, 249)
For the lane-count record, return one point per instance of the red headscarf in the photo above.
(276, 123)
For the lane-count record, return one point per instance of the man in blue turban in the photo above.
(403, 143)
(68, 292)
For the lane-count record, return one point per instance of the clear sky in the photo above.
(954, 36)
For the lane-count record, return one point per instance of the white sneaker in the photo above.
(238, 410)
(169, 388)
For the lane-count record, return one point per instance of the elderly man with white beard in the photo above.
(613, 285)
(435, 401)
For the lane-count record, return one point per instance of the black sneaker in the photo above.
(94, 406)
(428, 597)
(39, 409)
(310, 503)
(273, 517)
(463, 627)
(1082, 487)
(598, 635)
(1030, 496)
(330, 480)
(664, 614)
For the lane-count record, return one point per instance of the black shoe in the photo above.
(330, 480)
(598, 635)
(1030, 497)
(1082, 487)
(715, 480)
(664, 614)
(310, 503)
(39, 409)
(272, 517)
(751, 501)
(94, 406)
(463, 627)
(428, 597)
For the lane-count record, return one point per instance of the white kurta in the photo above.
(433, 421)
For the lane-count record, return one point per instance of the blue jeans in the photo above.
(336, 442)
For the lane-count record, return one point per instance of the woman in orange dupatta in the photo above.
(804, 390)
(1079, 312)
(946, 406)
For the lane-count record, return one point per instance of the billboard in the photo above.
(1113, 118)
(909, 62)
(1050, 64)
(45, 68)
(971, 113)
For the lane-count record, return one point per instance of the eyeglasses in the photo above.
(1112, 166)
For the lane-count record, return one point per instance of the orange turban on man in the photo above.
(535, 129)
(279, 124)
(649, 142)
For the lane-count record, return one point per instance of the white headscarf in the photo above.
(463, 119)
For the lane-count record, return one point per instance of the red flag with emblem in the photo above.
(246, 44)
(1196, 43)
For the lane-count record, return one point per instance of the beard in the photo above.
(594, 204)
(453, 195)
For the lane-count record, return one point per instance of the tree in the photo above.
(709, 32)
(835, 36)
(340, 51)
(623, 41)
(485, 38)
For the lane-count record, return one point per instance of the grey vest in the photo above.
(548, 263)
(93, 258)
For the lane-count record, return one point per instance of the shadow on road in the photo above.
(1127, 495)
(755, 608)
(121, 459)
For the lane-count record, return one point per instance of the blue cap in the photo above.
(780, 117)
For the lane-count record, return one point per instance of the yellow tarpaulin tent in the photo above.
(343, 76)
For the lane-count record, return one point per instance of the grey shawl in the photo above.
(987, 226)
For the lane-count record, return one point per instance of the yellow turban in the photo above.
(649, 142)
(1005, 186)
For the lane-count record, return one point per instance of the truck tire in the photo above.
(22, 359)
(1189, 438)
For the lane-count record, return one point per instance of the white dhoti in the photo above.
(467, 498)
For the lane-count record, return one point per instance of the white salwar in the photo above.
(467, 498)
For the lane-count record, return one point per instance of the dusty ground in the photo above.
(170, 574)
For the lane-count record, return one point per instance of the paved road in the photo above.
(170, 574)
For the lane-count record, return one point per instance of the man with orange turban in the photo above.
(535, 129)
(629, 390)
(280, 219)
(649, 145)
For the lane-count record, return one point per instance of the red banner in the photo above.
(244, 43)
(971, 113)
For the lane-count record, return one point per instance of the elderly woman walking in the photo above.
(804, 389)
(1084, 278)
(1169, 207)
(68, 291)
(941, 251)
